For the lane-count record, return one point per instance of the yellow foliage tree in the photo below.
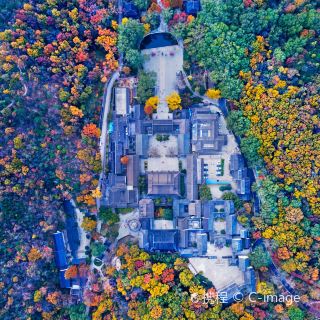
(76, 111)
(174, 101)
(37, 296)
(213, 93)
(186, 277)
(152, 102)
(88, 224)
(158, 268)
(294, 215)
(53, 297)
(265, 288)
(247, 316)
(237, 308)
(156, 312)
(96, 193)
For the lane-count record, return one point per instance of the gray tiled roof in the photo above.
(142, 145)
(202, 241)
(231, 224)
(132, 171)
(205, 132)
(163, 240)
(146, 208)
(192, 187)
(163, 183)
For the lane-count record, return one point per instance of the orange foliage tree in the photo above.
(124, 160)
(34, 254)
(148, 109)
(91, 130)
(71, 272)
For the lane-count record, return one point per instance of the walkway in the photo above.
(106, 108)
(82, 234)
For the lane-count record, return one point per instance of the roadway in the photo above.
(106, 102)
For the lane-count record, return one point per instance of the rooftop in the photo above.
(157, 40)
(163, 240)
(163, 183)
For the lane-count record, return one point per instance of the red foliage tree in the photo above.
(148, 110)
(124, 160)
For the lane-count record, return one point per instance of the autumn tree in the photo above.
(124, 160)
(71, 272)
(34, 254)
(174, 101)
(293, 215)
(152, 102)
(91, 130)
(148, 109)
(88, 224)
(213, 93)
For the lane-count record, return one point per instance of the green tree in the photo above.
(134, 59)
(108, 216)
(315, 230)
(295, 313)
(237, 123)
(279, 55)
(130, 35)
(142, 184)
(228, 314)
(230, 87)
(259, 258)
(97, 249)
(294, 46)
(250, 147)
(205, 192)
(269, 193)
(77, 312)
(232, 196)
(142, 4)
(13, 209)
(146, 84)
(167, 14)
(153, 18)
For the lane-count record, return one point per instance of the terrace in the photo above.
(165, 58)
(163, 154)
(216, 267)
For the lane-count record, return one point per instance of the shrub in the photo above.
(205, 192)
(225, 188)
(97, 249)
(108, 216)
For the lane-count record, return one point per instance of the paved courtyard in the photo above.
(124, 229)
(163, 155)
(218, 270)
(166, 62)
